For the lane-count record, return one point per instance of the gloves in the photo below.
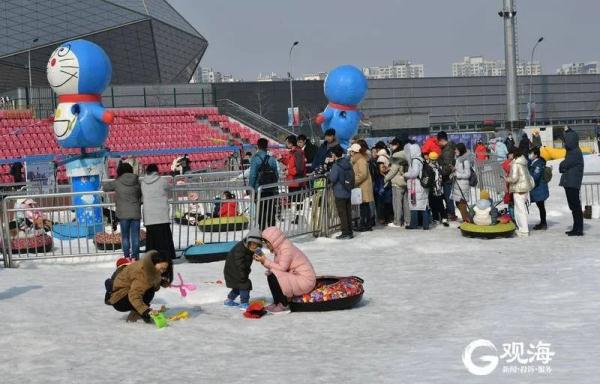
(146, 316)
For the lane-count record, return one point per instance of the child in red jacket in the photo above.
(228, 208)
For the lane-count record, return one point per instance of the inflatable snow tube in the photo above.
(39, 243)
(112, 241)
(488, 231)
(188, 218)
(70, 231)
(208, 253)
(330, 294)
(224, 224)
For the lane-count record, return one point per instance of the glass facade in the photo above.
(147, 40)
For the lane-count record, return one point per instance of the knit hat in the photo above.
(433, 155)
(484, 195)
(354, 148)
(255, 236)
(383, 160)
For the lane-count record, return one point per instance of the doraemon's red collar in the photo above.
(343, 107)
(80, 97)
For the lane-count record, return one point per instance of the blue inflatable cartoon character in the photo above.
(345, 87)
(78, 71)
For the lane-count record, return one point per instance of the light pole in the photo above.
(29, 66)
(530, 105)
(291, 81)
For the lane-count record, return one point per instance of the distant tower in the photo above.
(509, 14)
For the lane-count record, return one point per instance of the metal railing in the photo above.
(253, 120)
(489, 178)
(50, 228)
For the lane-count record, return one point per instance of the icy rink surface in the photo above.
(428, 295)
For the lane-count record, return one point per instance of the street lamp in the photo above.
(530, 104)
(291, 80)
(29, 66)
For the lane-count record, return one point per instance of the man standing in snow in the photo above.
(446, 162)
(571, 169)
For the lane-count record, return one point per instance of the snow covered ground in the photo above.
(428, 295)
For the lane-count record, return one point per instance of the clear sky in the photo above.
(251, 36)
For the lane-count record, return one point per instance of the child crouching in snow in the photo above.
(132, 287)
(237, 269)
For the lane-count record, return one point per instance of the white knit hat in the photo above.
(354, 148)
(255, 236)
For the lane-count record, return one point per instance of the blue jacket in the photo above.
(255, 163)
(572, 166)
(336, 178)
(540, 192)
(323, 152)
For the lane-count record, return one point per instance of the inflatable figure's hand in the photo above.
(319, 119)
(108, 117)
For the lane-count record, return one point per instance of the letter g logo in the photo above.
(492, 360)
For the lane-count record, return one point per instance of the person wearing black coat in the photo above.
(237, 269)
(525, 144)
(308, 148)
(571, 169)
(509, 142)
(320, 164)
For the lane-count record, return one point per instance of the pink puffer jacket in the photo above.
(292, 268)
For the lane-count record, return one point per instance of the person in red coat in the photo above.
(481, 151)
(431, 145)
(228, 208)
(295, 162)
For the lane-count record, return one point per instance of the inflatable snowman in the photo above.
(78, 72)
(345, 87)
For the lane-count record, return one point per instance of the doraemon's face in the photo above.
(63, 71)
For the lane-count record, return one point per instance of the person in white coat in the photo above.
(520, 184)
(461, 174)
(418, 197)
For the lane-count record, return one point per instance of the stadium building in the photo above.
(148, 41)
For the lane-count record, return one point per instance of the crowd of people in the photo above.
(404, 184)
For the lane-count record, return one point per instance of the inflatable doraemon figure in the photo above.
(345, 87)
(78, 72)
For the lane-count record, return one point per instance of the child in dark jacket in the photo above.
(436, 193)
(237, 269)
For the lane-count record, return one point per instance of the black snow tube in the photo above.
(330, 294)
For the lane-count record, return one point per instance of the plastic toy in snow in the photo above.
(330, 294)
(183, 288)
(255, 310)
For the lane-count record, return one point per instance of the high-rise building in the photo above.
(479, 66)
(590, 68)
(400, 69)
(148, 42)
(206, 75)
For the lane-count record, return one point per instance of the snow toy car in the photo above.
(112, 241)
(223, 224)
(330, 294)
(188, 218)
(488, 231)
(207, 253)
(38, 243)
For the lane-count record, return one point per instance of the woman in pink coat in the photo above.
(289, 274)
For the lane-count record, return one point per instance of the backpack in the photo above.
(547, 174)
(348, 179)
(473, 180)
(427, 178)
(266, 173)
